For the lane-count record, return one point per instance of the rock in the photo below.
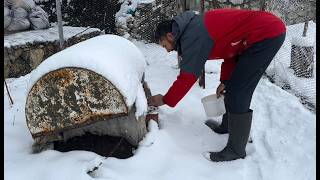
(25, 55)
(6, 67)
(19, 66)
(36, 57)
(18, 52)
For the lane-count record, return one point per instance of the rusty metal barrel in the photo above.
(70, 98)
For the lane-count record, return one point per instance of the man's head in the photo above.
(164, 36)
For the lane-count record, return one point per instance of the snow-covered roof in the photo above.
(45, 35)
(114, 57)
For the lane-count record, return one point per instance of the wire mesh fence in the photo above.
(293, 68)
(94, 13)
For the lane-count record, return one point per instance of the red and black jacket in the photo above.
(218, 34)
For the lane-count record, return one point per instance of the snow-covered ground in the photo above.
(283, 133)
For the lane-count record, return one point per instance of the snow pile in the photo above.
(125, 16)
(45, 35)
(127, 9)
(104, 55)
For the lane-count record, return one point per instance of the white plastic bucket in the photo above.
(213, 106)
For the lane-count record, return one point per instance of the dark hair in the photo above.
(162, 29)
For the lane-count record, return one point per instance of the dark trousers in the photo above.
(249, 69)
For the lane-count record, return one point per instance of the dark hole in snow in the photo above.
(102, 145)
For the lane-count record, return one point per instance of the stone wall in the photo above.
(147, 16)
(21, 59)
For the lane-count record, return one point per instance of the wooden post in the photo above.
(201, 6)
(263, 5)
(184, 5)
(305, 28)
(202, 82)
(59, 18)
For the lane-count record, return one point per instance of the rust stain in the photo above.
(87, 120)
(60, 74)
(45, 129)
(64, 77)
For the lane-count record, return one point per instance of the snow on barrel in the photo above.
(96, 85)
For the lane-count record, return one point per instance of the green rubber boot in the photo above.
(218, 128)
(239, 130)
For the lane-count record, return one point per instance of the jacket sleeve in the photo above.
(196, 45)
(179, 88)
(227, 67)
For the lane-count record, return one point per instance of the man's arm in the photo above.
(196, 45)
(179, 88)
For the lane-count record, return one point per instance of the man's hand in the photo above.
(220, 90)
(155, 100)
